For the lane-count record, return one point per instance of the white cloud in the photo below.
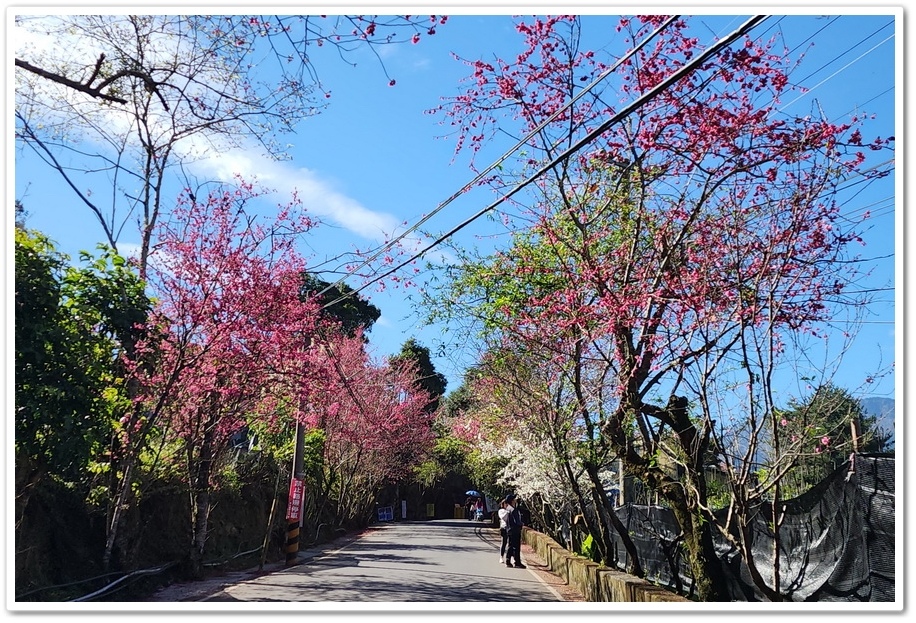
(384, 322)
(129, 249)
(317, 194)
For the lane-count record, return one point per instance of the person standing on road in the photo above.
(503, 529)
(514, 528)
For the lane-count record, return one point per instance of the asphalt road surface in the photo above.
(441, 560)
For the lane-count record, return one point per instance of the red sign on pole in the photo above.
(294, 506)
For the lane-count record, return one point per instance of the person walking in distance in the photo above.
(514, 528)
(502, 513)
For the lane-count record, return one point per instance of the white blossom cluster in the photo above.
(533, 469)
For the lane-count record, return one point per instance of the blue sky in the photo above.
(374, 160)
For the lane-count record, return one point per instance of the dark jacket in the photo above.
(514, 520)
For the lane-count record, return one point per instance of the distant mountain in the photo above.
(881, 408)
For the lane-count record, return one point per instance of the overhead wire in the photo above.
(838, 71)
(848, 50)
(519, 144)
(850, 181)
(566, 154)
(687, 68)
(601, 77)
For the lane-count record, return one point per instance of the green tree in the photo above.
(428, 378)
(823, 424)
(71, 323)
(352, 312)
(452, 406)
(54, 390)
(21, 215)
(448, 459)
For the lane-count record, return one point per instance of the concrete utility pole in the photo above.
(296, 499)
(621, 499)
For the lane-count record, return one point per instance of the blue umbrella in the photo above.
(473, 493)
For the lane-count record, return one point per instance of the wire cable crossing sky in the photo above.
(518, 145)
(591, 136)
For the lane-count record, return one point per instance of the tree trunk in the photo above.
(605, 509)
(200, 499)
(706, 568)
(27, 478)
(122, 499)
(758, 580)
(123, 488)
(270, 520)
(581, 500)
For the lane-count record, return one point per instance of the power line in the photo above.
(591, 136)
(814, 34)
(500, 160)
(838, 71)
(866, 179)
(848, 50)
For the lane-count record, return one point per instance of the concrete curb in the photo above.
(594, 581)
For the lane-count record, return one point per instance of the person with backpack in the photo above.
(502, 513)
(514, 530)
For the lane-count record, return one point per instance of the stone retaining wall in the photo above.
(594, 581)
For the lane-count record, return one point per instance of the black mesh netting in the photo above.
(836, 542)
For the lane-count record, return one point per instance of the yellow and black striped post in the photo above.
(292, 543)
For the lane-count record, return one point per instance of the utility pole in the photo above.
(621, 499)
(296, 499)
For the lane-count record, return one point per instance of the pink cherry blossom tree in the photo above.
(375, 425)
(695, 238)
(228, 328)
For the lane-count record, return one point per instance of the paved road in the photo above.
(441, 560)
